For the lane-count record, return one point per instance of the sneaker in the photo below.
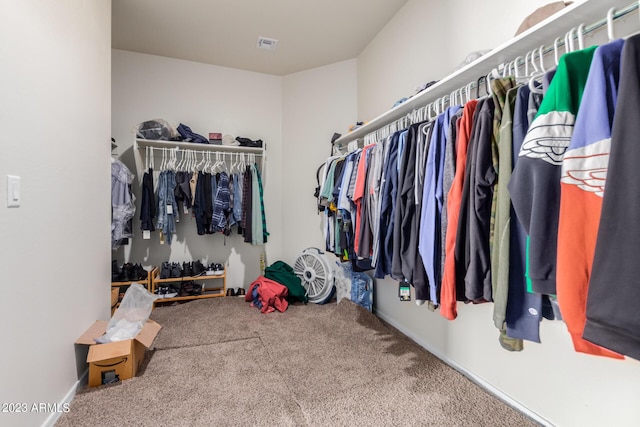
(166, 291)
(139, 272)
(165, 270)
(161, 290)
(176, 271)
(218, 269)
(198, 268)
(172, 292)
(210, 270)
(241, 292)
(231, 292)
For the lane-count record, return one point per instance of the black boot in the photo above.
(187, 269)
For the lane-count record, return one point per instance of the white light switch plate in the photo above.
(13, 191)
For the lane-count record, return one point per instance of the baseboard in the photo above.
(482, 383)
(53, 418)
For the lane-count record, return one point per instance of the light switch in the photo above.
(13, 191)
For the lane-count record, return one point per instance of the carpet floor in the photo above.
(220, 362)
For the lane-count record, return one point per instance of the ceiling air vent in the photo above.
(267, 44)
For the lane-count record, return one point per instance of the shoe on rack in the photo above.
(139, 272)
(210, 270)
(198, 268)
(187, 269)
(197, 289)
(127, 274)
(176, 270)
(218, 269)
(161, 290)
(166, 291)
(165, 270)
(172, 292)
(231, 292)
(190, 288)
(241, 292)
(115, 271)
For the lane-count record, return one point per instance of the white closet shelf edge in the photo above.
(543, 33)
(143, 143)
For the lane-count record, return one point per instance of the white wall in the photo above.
(207, 98)
(316, 103)
(426, 41)
(549, 379)
(55, 120)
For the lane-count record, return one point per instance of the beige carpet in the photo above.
(220, 362)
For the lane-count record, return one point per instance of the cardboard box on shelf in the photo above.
(116, 361)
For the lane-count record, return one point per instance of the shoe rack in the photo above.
(144, 282)
(213, 286)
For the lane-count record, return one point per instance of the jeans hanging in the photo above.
(167, 206)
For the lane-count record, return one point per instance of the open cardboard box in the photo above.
(116, 361)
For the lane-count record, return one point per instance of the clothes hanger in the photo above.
(170, 155)
(555, 50)
(148, 158)
(453, 97)
(180, 165)
(610, 33)
(580, 34)
(199, 165)
(164, 160)
(219, 163)
(190, 163)
(540, 57)
(478, 86)
(533, 84)
(488, 85)
(568, 41)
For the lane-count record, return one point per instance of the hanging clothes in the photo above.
(502, 230)
(122, 203)
(167, 207)
(387, 206)
(612, 317)
(584, 168)
(429, 244)
(148, 203)
(182, 191)
(524, 309)
(448, 292)
(259, 220)
(221, 205)
(536, 178)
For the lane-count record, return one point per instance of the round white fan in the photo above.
(315, 274)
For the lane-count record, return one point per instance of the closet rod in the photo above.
(594, 27)
(396, 115)
(418, 114)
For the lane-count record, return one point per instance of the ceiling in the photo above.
(310, 33)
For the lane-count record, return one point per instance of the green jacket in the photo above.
(283, 273)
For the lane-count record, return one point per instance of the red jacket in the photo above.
(271, 294)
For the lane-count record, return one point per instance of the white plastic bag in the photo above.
(158, 129)
(130, 317)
